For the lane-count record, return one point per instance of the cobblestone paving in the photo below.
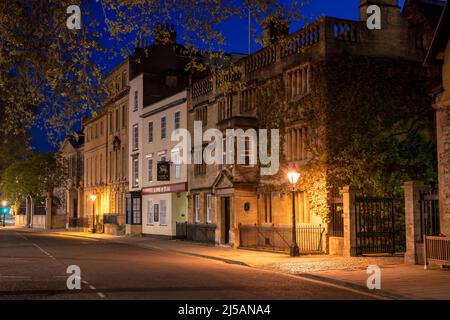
(315, 264)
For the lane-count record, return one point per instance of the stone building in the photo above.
(157, 71)
(227, 197)
(72, 153)
(96, 189)
(117, 142)
(439, 55)
(106, 153)
(163, 177)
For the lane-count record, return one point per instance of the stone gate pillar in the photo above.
(414, 242)
(348, 197)
(48, 211)
(27, 212)
(31, 204)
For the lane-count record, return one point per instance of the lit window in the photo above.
(135, 172)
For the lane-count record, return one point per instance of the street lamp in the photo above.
(93, 198)
(4, 204)
(293, 177)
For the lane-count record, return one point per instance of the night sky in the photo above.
(237, 42)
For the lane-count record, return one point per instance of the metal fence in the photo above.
(309, 238)
(380, 225)
(110, 218)
(429, 214)
(375, 225)
(196, 232)
(181, 230)
(336, 227)
(40, 210)
(437, 250)
(79, 222)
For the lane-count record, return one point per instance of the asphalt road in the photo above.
(34, 265)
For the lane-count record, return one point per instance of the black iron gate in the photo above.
(429, 214)
(376, 225)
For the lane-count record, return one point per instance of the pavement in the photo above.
(34, 266)
(398, 281)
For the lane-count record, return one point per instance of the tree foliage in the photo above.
(34, 176)
(370, 125)
(379, 124)
(52, 75)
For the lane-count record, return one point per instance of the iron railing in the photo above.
(181, 230)
(196, 232)
(110, 218)
(437, 250)
(309, 238)
(375, 225)
(79, 222)
(429, 214)
(40, 210)
(336, 227)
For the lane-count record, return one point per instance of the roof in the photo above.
(76, 139)
(441, 36)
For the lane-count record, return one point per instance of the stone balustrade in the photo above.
(324, 29)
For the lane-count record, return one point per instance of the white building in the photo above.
(158, 182)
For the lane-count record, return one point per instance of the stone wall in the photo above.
(443, 145)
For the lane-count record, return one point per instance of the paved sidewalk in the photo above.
(398, 281)
(404, 281)
(252, 258)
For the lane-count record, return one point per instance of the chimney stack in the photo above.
(165, 35)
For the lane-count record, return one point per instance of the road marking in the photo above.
(43, 251)
(100, 294)
(15, 277)
(34, 244)
(22, 236)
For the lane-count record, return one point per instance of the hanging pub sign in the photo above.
(163, 171)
